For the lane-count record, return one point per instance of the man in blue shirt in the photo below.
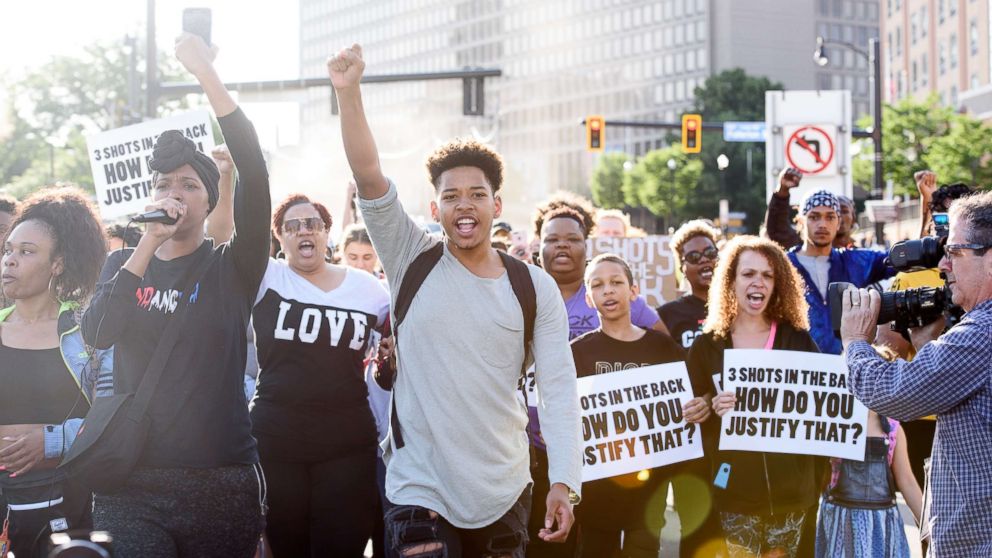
(820, 264)
(950, 377)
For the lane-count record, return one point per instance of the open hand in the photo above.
(22, 449)
(724, 402)
(194, 54)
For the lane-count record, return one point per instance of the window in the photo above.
(942, 60)
(924, 22)
(914, 27)
(888, 8)
(898, 41)
(924, 71)
(974, 81)
(914, 77)
(940, 10)
(888, 47)
(952, 9)
(973, 37)
(954, 51)
(954, 96)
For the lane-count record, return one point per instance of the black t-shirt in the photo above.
(311, 401)
(684, 318)
(199, 418)
(618, 501)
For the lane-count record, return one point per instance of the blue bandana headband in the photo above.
(819, 198)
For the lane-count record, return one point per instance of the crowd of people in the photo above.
(298, 398)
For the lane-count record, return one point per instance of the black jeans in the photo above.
(414, 531)
(321, 509)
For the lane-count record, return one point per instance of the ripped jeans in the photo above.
(413, 531)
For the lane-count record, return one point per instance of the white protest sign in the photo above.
(792, 402)
(651, 262)
(632, 420)
(119, 160)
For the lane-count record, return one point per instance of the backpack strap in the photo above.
(523, 288)
(415, 276)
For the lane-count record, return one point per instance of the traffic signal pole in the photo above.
(706, 126)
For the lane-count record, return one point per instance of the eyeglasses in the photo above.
(312, 224)
(954, 250)
(697, 256)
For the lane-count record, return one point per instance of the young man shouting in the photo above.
(457, 453)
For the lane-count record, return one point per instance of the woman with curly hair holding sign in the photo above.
(756, 302)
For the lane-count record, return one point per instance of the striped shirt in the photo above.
(951, 378)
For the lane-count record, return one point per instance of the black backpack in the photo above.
(416, 274)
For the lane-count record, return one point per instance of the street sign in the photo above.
(811, 149)
(809, 130)
(744, 131)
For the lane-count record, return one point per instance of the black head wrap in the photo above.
(173, 150)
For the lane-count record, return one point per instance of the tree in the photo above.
(53, 107)
(607, 181)
(731, 95)
(925, 135)
(659, 188)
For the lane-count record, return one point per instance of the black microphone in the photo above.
(157, 216)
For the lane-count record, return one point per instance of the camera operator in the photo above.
(950, 377)
(933, 200)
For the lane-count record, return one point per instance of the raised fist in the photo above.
(194, 54)
(926, 183)
(345, 69)
(222, 156)
(789, 178)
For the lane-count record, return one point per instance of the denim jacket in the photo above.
(91, 369)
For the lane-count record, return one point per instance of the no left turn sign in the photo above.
(810, 148)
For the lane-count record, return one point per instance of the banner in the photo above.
(792, 402)
(632, 420)
(119, 160)
(651, 260)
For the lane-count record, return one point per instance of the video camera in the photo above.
(911, 307)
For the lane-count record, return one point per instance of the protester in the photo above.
(949, 377)
(611, 222)
(197, 489)
(820, 263)
(563, 225)
(358, 250)
(456, 457)
(694, 247)
(623, 515)
(8, 210)
(756, 302)
(321, 477)
(48, 376)
(778, 228)
(858, 513)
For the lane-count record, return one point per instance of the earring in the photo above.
(51, 286)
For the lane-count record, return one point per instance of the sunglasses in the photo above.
(312, 224)
(697, 256)
(954, 250)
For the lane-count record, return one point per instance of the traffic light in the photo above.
(595, 133)
(692, 133)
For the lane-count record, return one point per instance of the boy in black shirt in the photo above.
(628, 508)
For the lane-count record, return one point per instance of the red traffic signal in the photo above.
(595, 133)
(692, 125)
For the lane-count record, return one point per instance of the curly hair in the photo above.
(466, 153)
(130, 235)
(73, 223)
(787, 303)
(292, 200)
(565, 212)
(688, 231)
(580, 205)
(8, 204)
(947, 193)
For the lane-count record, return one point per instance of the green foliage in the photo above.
(925, 135)
(52, 108)
(663, 191)
(731, 95)
(607, 181)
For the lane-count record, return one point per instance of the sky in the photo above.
(258, 40)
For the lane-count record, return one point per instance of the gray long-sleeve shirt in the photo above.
(459, 355)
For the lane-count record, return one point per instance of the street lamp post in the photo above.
(722, 162)
(671, 166)
(874, 59)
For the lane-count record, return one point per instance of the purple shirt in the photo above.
(583, 319)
